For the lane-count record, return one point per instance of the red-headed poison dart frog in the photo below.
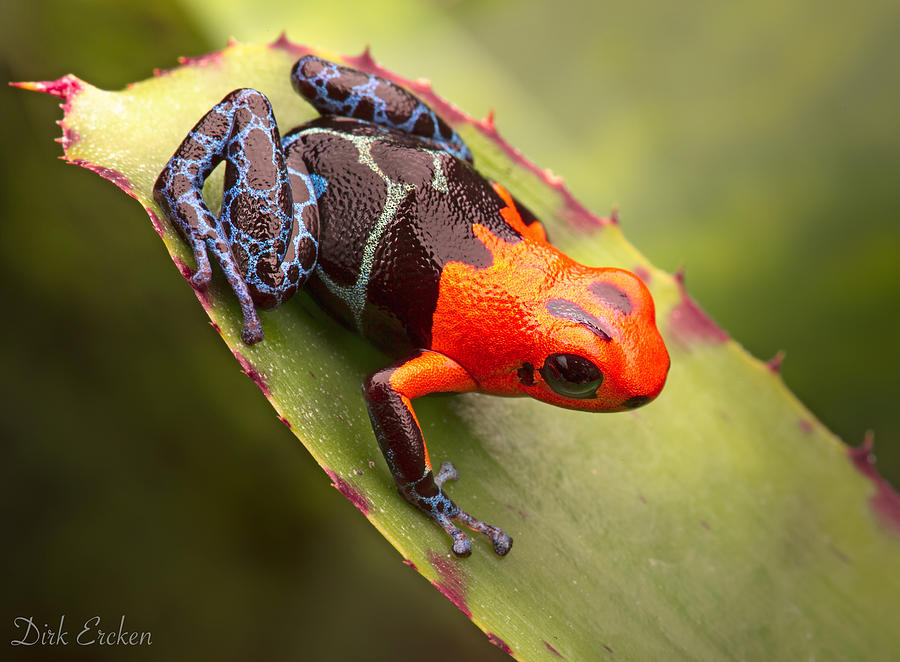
(376, 209)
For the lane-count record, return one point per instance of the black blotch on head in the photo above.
(611, 295)
(526, 374)
(636, 401)
(572, 311)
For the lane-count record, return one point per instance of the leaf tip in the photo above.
(487, 124)
(774, 364)
(613, 218)
(365, 58)
(282, 43)
(862, 454)
(64, 88)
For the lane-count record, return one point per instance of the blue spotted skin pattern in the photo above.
(264, 237)
(366, 204)
(334, 89)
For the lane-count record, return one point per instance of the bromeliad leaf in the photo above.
(723, 521)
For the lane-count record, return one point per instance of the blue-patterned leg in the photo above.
(334, 89)
(264, 238)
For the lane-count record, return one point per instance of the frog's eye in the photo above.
(572, 376)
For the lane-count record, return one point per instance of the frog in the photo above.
(376, 209)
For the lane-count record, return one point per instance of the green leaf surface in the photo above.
(721, 521)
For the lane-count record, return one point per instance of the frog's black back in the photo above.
(393, 210)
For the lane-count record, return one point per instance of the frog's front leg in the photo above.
(388, 393)
(264, 238)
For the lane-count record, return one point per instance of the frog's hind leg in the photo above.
(264, 238)
(334, 89)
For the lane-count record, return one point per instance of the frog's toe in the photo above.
(462, 546)
(447, 472)
(203, 274)
(201, 279)
(252, 332)
(501, 541)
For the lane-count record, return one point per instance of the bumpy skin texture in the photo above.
(377, 208)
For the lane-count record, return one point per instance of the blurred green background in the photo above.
(757, 144)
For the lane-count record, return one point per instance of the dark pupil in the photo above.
(572, 376)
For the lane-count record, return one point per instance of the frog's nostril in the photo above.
(636, 401)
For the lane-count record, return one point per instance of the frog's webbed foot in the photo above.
(263, 238)
(388, 393)
(461, 543)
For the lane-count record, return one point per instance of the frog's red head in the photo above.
(599, 348)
